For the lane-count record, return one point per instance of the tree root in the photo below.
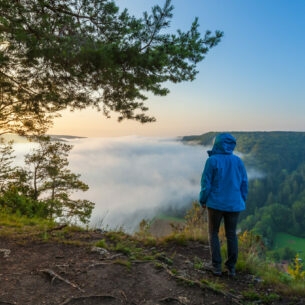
(98, 299)
(171, 299)
(54, 276)
(202, 285)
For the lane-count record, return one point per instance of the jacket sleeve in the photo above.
(206, 179)
(244, 183)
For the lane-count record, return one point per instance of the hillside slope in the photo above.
(269, 151)
(72, 271)
(275, 162)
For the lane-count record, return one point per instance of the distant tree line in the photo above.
(276, 201)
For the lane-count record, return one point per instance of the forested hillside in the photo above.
(276, 201)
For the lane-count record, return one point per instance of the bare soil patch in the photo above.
(74, 272)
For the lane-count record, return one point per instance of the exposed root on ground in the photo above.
(97, 299)
(202, 285)
(54, 276)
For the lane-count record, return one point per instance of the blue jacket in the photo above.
(224, 182)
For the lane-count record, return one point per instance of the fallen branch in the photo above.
(57, 228)
(54, 276)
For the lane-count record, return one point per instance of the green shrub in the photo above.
(12, 202)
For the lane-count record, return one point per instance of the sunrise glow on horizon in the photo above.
(252, 81)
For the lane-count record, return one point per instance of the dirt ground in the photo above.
(47, 271)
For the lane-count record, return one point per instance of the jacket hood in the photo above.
(224, 144)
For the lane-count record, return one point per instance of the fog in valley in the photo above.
(132, 178)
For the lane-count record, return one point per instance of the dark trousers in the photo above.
(230, 221)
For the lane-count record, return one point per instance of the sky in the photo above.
(253, 80)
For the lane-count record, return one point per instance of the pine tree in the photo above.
(54, 183)
(7, 168)
(77, 54)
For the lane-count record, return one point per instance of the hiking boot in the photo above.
(216, 270)
(231, 272)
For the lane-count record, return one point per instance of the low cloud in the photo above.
(133, 178)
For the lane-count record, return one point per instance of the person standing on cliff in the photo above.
(224, 189)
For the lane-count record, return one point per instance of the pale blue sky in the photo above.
(253, 80)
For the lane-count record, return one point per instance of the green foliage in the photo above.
(12, 224)
(281, 254)
(276, 166)
(297, 269)
(10, 175)
(144, 235)
(252, 258)
(268, 220)
(53, 183)
(289, 245)
(124, 243)
(87, 53)
(214, 285)
(116, 236)
(123, 247)
(158, 266)
(43, 189)
(198, 263)
(6, 159)
(12, 202)
(179, 238)
(164, 259)
(101, 244)
(123, 262)
(271, 152)
(16, 116)
(251, 252)
(252, 295)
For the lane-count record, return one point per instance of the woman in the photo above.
(224, 189)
